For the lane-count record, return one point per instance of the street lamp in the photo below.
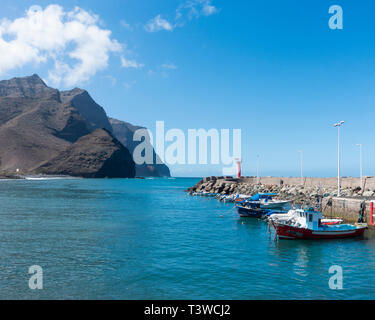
(301, 165)
(338, 125)
(360, 163)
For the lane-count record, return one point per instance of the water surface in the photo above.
(147, 239)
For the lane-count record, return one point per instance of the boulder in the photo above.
(368, 193)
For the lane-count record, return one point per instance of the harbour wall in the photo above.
(346, 208)
(346, 182)
(301, 191)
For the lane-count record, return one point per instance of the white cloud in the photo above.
(125, 63)
(208, 9)
(157, 24)
(73, 40)
(194, 9)
(186, 11)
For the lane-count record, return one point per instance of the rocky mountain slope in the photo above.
(38, 124)
(35, 124)
(124, 132)
(96, 155)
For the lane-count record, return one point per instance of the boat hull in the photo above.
(288, 232)
(245, 212)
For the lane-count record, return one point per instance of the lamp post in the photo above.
(360, 163)
(301, 165)
(338, 125)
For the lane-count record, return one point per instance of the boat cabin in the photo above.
(309, 219)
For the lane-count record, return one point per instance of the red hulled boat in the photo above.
(301, 224)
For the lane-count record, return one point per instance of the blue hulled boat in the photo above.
(267, 201)
(249, 212)
(254, 207)
(251, 209)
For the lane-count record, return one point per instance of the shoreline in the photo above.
(10, 177)
(46, 177)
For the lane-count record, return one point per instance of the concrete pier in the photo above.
(346, 208)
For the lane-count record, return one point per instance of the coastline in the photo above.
(51, 177)
(10, 177)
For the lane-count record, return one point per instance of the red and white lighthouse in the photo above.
(238, 168)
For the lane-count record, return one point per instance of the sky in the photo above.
(273, 69)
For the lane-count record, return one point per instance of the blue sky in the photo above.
(271, 68)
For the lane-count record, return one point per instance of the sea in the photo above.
(148, 239)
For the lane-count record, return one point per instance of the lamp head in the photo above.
(339, 124)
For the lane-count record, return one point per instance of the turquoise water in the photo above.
(147, 239)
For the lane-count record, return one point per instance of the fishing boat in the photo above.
(247, 212)
(252, 210)
(286, 215)
(302, 224)
(267, 201)
(233, 197)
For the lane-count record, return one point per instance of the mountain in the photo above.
(96, 155)
(124, 132)
(34, 123)
(95, 118)
(38, 123)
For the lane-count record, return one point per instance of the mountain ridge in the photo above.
(124, 132)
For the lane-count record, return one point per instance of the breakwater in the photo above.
(306, 191)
